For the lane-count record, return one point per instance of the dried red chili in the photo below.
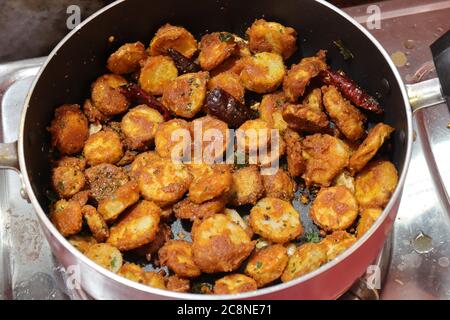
(137, 95)
(350, 90)
(183, 64)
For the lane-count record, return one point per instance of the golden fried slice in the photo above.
(247, 187)
(105, 255)
(219, 244)
(233, 64)
(375, 184)
(270, 158)
(67, 217)
(96, 223)
(295, 162)
(139, 227)
(157, 72)
(334, 208)
(127, 58)
(184, 95)
(103, 147)
(154, 279)
(303, 118)
(139, 126)
(346, 180)
(142, 160)
(172, 139)
(325, 156)
(367, 150)
(127, 158)
(177, 256)
(273, 37)
(263, 72)
(209, 181)
(111, 207)
(186, 209)
(267, 265)
(215, 48)
(167, 213)
(69, 129)
(229, 82)
(234, 216)
(67, 181)
(177, 284)
(150, 249)
(214, 137)
(77, 162)
(271, 108)
(242, 47)
(279, 185)
(299, 76)
(336, 243)
(347, 118)
(307, 258)
(92, 113)
(367, 219)
(81, 197)
(234, 283)
(106, 95)
(82, 243)
(132, 272)
(314, 100)
(164, 182)
(177, 38)
(275, 220)
(253, 135)
(104, 179)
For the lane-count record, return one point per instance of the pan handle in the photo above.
(435, 91)
(9, 74)
(425, 94)
(8, 156)
(9, 159)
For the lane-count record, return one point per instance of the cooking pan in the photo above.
(80, 58)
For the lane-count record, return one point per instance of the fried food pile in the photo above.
(120, 191)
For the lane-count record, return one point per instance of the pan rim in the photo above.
(254, 294)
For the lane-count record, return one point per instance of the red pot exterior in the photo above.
(329, 284)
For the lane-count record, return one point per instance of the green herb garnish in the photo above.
(258, 264)
(202, 288)
(225, 36)
(312, 237)
(113, 263)
(345, 52)
(279, 103)
(51, 196)
(61, 186)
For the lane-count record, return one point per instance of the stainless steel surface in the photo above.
(8, 156)
(409, 27)
(26, 263)
(366, 287)
(27, 267)
(425, 94)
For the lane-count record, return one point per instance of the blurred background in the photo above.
(31, 28)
